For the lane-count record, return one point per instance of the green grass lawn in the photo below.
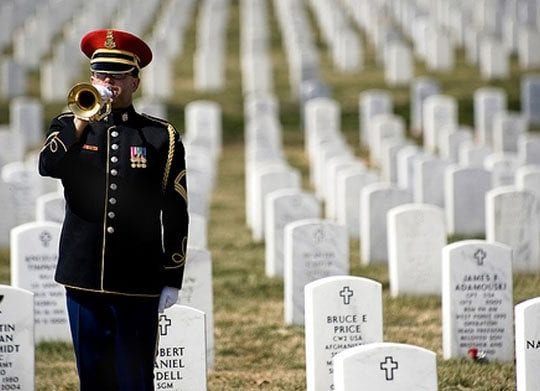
(254, 348)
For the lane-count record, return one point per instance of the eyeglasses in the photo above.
(115, 76)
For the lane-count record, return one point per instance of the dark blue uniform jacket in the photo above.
(126, 223)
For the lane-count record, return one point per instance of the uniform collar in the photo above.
(122, 115)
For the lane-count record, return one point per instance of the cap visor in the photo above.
(110, 67)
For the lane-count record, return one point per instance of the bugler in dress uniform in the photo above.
(124, 235)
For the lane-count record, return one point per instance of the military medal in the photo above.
(138, 157)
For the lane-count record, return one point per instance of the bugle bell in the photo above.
(89, 102)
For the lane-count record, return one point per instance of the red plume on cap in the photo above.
(115, 51)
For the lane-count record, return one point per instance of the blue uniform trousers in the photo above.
(114, 339)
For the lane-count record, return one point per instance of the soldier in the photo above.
(123, 243)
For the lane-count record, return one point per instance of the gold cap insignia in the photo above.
(109, 40)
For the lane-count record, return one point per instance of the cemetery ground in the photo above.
(254, 348)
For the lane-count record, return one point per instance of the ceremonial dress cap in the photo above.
(115, 51)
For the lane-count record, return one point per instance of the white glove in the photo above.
(168, 297)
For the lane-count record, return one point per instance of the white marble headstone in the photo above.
(450, 142)
(494, 60)
(477, 306)
(399, 65)
(529, 149)
(471, 154)
(439, 111)
(8, 220)
(24, 185)
(284, 207)
(507, 127)
(197, 231)
(512, 219)
(416, 236)
(389, 150)
(11, 146)
(13, 77)
(203, 125)
(180, 362)
(502, 167)
(268, 180)
(428, 186)
(34, 254)
(385, 366)
(50, 207)
(314, 249)
(406, 159)
(384, 126)
(322, 118)
(465, 190)
(527, 317)
(528, 178)
(26, 118)
(341, 312)
(349, 186)
(421, 88)
(334, 166)
(17, 336)
(376, 200)
(372, 102)
(530, 98)
(488, 101)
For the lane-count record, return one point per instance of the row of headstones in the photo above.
(408, 238)
(433, 180)
(365, 208)
(256, 62)
(487, 103)
(167, 42)
(53, 83)
(166, 39)
(33, 39)
(339, 35)
(203, 140)
(489, 33)
(266, 166)
(441, 132)
(180, 356)
(299, 44)
(210, 51)
(344, 326)
(13, 14)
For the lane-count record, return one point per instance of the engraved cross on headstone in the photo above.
(45, 237)
(389, 366)
(164, 323)
(319, 236)
(346, 293)
(480, 255)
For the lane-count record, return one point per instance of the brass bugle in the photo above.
(88, 102)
